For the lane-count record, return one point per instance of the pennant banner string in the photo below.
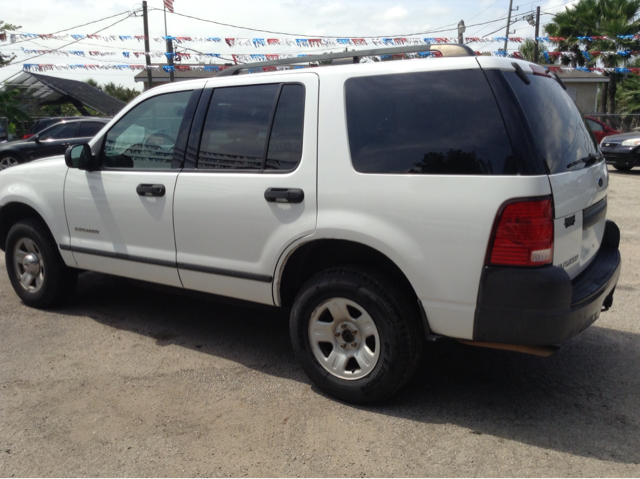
(308, 42)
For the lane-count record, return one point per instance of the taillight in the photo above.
(524, 235)
(28, 135)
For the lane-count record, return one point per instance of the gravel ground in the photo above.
(126, 381)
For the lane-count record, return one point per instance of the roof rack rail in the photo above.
(447, 50)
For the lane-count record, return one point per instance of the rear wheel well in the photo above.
(10, 215)
(311, 258)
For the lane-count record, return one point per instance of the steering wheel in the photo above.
(158, 140)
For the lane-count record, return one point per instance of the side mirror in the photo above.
(80, 157)
(35, 138)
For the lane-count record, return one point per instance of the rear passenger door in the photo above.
(249, 188)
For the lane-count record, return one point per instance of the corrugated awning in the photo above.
(48, 90)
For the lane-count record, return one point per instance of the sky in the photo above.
(268, 19)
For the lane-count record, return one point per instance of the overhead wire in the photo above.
(70, 43)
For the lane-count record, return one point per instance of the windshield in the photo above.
(559, 129)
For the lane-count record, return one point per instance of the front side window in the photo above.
(594, 126)
(444, 122)
(145, 137)
(253, 128)
(59, 132)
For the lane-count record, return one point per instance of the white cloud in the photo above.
(396, 12)
(331, 8)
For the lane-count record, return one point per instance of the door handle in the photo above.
(284, 195)
(151, 190)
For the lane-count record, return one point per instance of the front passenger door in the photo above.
(120, 217)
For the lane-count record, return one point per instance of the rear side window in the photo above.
(256, 127)
(557, 126)
(443, 122)
(89, 128)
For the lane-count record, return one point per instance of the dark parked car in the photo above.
(45, 122)
(600, 129)
(622, 151)
(50, 141)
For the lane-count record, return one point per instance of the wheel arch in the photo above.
(314, 256)
(11, 213)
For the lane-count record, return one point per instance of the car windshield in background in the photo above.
(557, 126)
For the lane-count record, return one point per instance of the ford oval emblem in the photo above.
(600, 182)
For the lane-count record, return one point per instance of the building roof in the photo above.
(162, 76)
(577, 76)
(49, 90)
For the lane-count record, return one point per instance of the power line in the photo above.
(79, 26)
(326, 36)
(71, 43)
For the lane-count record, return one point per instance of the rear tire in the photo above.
(36, 270)
(623, 168)
(357, 336)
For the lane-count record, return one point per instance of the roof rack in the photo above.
(446, 50)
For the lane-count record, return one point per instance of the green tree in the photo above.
(4, 28)
(527, 50)
(9, 107)
(117, 91)
(598, 18)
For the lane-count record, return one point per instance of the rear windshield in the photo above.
(558, 128)
(443, 122)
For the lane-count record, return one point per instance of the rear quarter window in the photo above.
(444, 122)
(557, 125)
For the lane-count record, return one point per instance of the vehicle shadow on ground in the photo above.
(584, 400)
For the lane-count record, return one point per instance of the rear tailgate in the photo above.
(580, 201)
(576, 168)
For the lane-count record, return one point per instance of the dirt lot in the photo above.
(125, 381)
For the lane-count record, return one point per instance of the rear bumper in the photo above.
(544, 306)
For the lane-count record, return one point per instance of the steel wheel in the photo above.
(36, 270)
(28, 265)
(8, 162)
(344, 338)
(357, 336)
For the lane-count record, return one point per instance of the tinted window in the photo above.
(427, 123)
(145, 137)
(285, 142)
(557, 125)
(89, 128)
(236, 128)
(59, 132)
(594, 126)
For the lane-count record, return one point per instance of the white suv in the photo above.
(382, 202)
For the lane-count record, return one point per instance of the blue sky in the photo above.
(339, 18)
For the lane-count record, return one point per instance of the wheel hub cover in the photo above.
(31, 264)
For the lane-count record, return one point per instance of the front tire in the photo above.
(37, 273)
(357, 336)
(9, 160)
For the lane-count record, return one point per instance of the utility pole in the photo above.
(170, 58)
(461, 30)
(169, 45)
(535, 50)
(508, 25)
(145, 21)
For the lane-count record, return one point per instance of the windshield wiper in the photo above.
(587, 160)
